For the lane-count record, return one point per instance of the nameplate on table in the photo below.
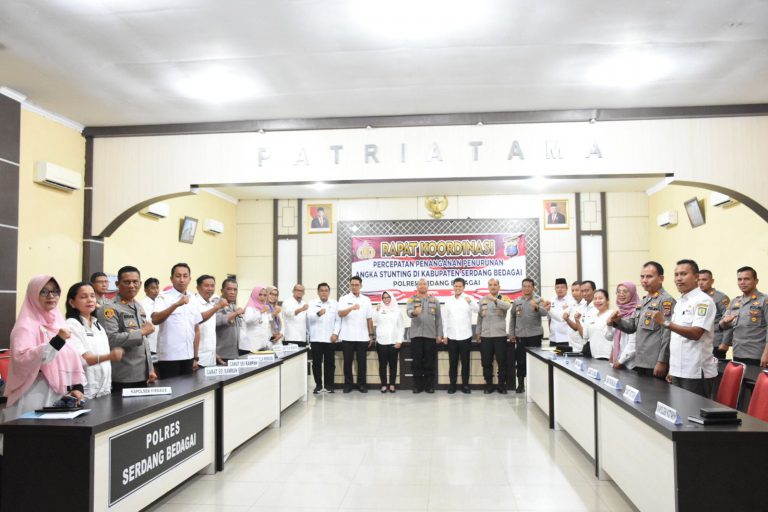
(612, 382)
(552, 357)
(267, 358)
(592, 373)
(217, 371)
(164, 390)
(632, 394)
(251, 362)
(579, 365)
(291, 347)
(666, 413)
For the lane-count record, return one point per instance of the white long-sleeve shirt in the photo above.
(322, 327)
(457, 316)
(390, 328)
(295, 326)
(599, 334)
(559, 330)
(206, 351)
(256, 330)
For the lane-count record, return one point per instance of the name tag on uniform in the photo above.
(593, 373)
(667, 413)
(165, 390)
(632, 394)
(612, 382)
(216, 371)
(251, 361)
(579, 365)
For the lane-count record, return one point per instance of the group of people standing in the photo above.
(103, 345)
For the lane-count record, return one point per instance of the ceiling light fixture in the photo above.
(218, 86)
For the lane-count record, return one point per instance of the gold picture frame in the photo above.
(556, 214)
(319, 219)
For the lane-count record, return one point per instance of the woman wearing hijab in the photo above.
(389, 336)
(627, 300)
(257, 323)
(274, 310)
(44, 367)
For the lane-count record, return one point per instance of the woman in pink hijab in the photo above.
(623, 351)
(257, 323)
(44, 367)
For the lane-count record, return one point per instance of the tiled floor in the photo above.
(404, 452)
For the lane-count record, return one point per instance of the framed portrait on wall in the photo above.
(188, 230)
(319, 218)
(556, 214)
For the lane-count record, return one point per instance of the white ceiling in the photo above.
(123, 62)
(449, 188)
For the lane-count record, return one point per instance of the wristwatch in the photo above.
(667, 323)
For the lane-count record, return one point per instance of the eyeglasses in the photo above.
(45, 292)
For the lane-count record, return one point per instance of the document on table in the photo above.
(53, 415)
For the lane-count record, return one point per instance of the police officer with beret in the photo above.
(747, 318)
(492, 333)
(651, 339)
(425, 333)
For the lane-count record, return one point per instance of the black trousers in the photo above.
(701, 386)
(354, 350)
(323, 354)
(458, 350)
(491, 348)
(520, 361)
(388, 355)
(302, 344)
(424, 353)
(173, 368)
(747, 361)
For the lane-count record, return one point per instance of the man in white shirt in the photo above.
(586, 312)
(559, 331)
(209, 305)
(457, 328)
(151, 291)
(295, 317)
(691, 363)
(322, 319)
(355, 330)
(177, 318)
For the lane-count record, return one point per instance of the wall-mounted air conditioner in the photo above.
(213, 226)
(52, 175)
(666, 219)
(722, 200)
(157, 210)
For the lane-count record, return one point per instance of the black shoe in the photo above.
(488, 390)
(502, 390)
(465, 389)
(417, 390)
(363, 389)
(317, 390)
(520, 389)
(451, 389)
(430, 390)
(329, 390)
(347, 389)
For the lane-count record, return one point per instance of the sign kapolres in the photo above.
(398, 262)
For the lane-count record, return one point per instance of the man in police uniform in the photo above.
(425, 333)
(691, 363)
(747, 318)
(126, 325)
(491, 332)
(722, 302)
(651, 339)
(525, 328)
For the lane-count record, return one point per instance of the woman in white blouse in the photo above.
(90, 340)
(597, 332)
(257, 323)
(389, 336)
